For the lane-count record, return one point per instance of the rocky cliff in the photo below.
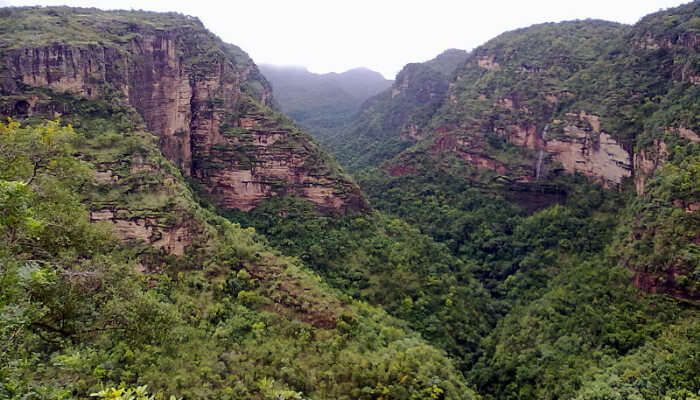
(205, 99)
(586, 103)
(615, 104)
(514, 88)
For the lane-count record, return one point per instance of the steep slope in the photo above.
(194, 305)
(606, 101)
(512, 87)
(322, 102)
(388, 263)
(144, 201)
(573, 97)
(600, 118)
(206, 100)
(392, 120)
(185, 301)
(660, 238)
(526, 108)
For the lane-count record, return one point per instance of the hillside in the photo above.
(546, 169)
(524, 225)
(527, 111)
(391, 121)
(185, 302)
(524, 170)
(322, 102)
(114, 276)
(205, 99)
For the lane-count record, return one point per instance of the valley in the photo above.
(517, 221)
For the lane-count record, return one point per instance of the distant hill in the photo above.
(322, 102)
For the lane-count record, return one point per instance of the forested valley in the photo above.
(520, 221)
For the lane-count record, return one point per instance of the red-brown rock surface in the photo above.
(205, 99)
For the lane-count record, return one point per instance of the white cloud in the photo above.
(383, 35)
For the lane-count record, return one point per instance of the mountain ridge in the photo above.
(321, 102)
(206, 100)
(117, 280)
(539, 103)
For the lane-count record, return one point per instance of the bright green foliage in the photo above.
(138, 393)
(386, 262)
(16, 216)
(41, 149)
(486, 225)
(588, 319)
(462, 277)
(78, 316)
(572, 320)
(569, 312)
(656, 370)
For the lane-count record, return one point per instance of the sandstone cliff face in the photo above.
(514, 89)
(141, 197)
(172, 240)
(577, 143)
(590, 151)
(570, 105)
(185, 83)
(607, 161)
(277, 161)
(65, 68)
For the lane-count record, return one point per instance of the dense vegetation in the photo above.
(119, 277)
(532, 306)
(386, 262)
(393, 120)
(228, 319)
(557, 257)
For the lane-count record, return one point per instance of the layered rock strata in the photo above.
(189, 87)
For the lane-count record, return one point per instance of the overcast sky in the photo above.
(383, 35)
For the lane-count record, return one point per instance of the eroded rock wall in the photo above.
(277, 162)
(590, 151)
(172, 240)
(185, 95)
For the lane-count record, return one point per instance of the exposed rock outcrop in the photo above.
(488, 63)
(172, 240)
(591, 151)
(645, 163)
(579, 146)
(189, 87)
(667, 282)
(276, 160)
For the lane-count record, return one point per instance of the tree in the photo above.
(31, 150)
